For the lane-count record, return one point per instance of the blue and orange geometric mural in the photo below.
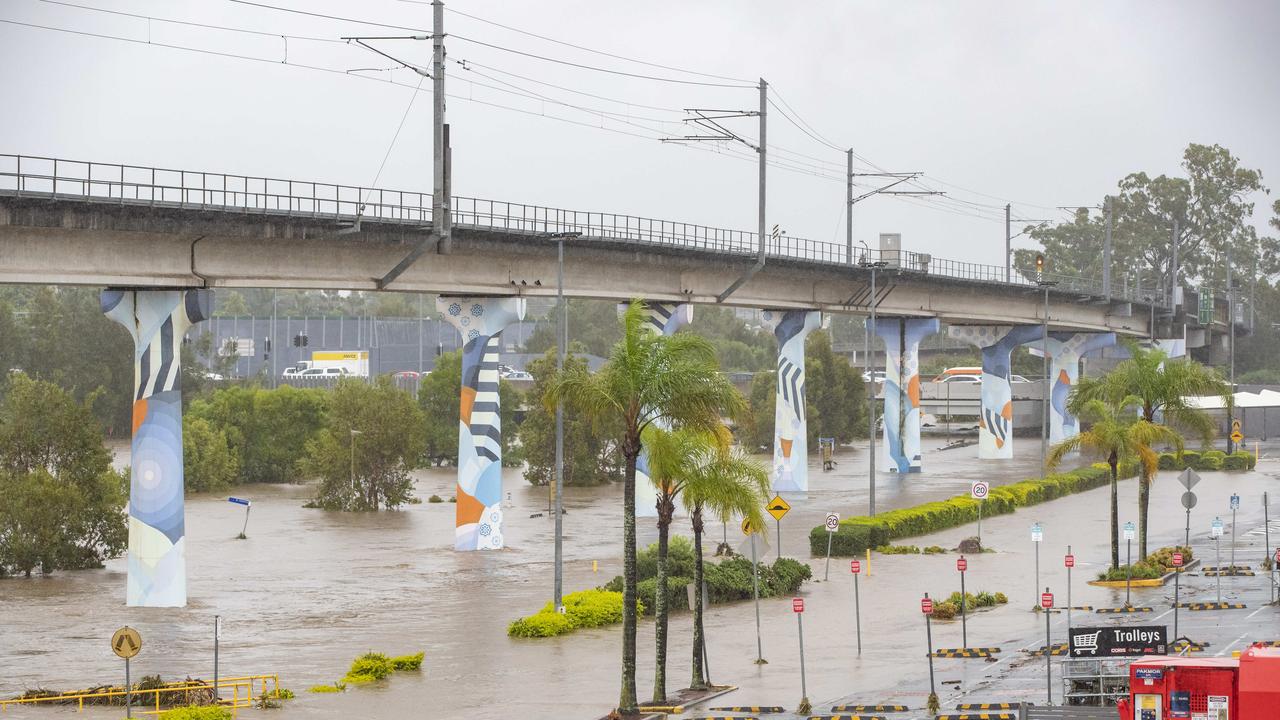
(157, 321)
(995, 419)
(790, 427)
(902, 338)
(660, 319)
(1065, 351)
(478, 522)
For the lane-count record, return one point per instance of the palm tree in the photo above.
(648, 379)
(1159, 387)
(727, 483)
(1116, 433)
(679, 459)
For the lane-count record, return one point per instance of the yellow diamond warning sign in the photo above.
(778, 507)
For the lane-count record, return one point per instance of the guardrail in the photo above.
(242, 694)
(57, 178)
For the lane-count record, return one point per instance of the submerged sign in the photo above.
(1093, 642)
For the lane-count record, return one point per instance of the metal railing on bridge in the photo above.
(56, 178)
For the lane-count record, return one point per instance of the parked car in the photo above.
(519, 375)
(329, 372)
(407, 375)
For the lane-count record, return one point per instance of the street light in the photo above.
(1044, 350)
(562, 341)
(866, 262)
(354, 433)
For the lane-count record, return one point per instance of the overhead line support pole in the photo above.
(439, 155)
(763, 154)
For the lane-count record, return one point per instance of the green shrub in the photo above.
(369, 667)
(985, 599)
(1209, 462)
(582, 609)
(1163, 557)
(1238, 460)
(934, 550)
(1190, 458)
(1001, 598)
(1169, 461)
(334, 688)
(857, 534)
(1213, 453)
(679, 559)
(1141, 571)
(898, 550)
(542, 624)
(945, 610)
(677, 595)
(407, 662)
(435, 499)
(196, 712)
(789, 575)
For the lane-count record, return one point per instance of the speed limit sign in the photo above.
(979, 490)
(833, 522)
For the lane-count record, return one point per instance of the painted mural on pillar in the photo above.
(1065, 351)
(902, 338)
(157, 321)
(478, 521)
(995, 420)
(790, 428)
(661, 319)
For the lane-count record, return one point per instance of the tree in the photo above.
(593, 323)
(725, 482)
(267, 430)
(1117, 434)
(590, 458)
(438, 398)
(1159, 387)
(208, 463)
(63, 504)
(648, 378)
(372, 439)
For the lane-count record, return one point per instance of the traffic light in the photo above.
(301, 340)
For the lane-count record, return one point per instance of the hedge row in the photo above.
(857, 534)
(727, 581)
(1208, 460)
(583, 609)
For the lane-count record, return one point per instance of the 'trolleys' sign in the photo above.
(1118, 641)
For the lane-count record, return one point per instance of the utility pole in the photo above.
(1008, 243)
(848, 219)
(1106, 249)
(1173, 261)
(561, 343)
(439, 135)
(1231, 352)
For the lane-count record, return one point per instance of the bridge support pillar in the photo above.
(478, 523)
(1065, 351)
(790, 428)
(157, 320)
(902, 338)
(663, 319)
(995, 418)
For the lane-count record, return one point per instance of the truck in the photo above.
(1217, 688)
(348, 362)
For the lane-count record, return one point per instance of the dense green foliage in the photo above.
(590, 456)
(197, 712)
(369, 667)
(438, 398)
(266, 430)
(334, 688)
(371, 440)
(63, 503)
(857, 534)
(403, 663)
(1157, 564)
(583, 609)
(1209, 460)
(835, 398)
(208, 463)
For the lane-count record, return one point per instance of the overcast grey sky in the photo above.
(1038, 103)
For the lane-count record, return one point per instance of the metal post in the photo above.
(804, 690)
(1044, 390)
(1037, 567)
(1069, 597)
(826, 573)
(779, 525)
(217, 635)
(1231, 353)
(128, 691)
(439, 196)
(245, 529)
(1106, 249)
(755, 593)
(871, 404)
(1266, 548)
(1177, 576)
(1173, 259)
(561, 346)
(1217, 544)
(1233, 542)
(848, 211)
(1186, 533)
(979, 506)
(964, 621)
(1128, 569)
(857, 612)
(928, 633)
(1008, 244)
(1048, 658)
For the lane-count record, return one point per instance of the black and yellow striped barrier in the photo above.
(751, 708)
(965, 652)
(1228, 573)
(869, 708)
(1227, 568)
(845, 717)
(1085, 608)
(1057, 650)
(1103, 611)
(1212, 606)
(1194, 647)
(668, 709)
(730, 717)
(1266, 643)
(987, 706)
(980, 716)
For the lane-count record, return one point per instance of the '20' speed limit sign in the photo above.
(979, 490)
(833, 522)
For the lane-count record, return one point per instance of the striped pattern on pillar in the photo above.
(902, 338)
(790, 427)
(661, 319)
(1065, 351)
(478, 521)
(995, 423)
(157, 321)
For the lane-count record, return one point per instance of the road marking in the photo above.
(1224, 650)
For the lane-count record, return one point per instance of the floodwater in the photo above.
(309, 590)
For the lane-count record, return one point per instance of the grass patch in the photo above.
(934, 550)
(583, 609)
(1157, 564)
(196, 712)
(374, 666)
(898, 550)
(334, 688)
(404, 663)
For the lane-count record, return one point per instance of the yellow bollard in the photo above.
(868, 562)
(595, 566)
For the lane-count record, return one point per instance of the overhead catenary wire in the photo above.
(189, 23)
(326, 16)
